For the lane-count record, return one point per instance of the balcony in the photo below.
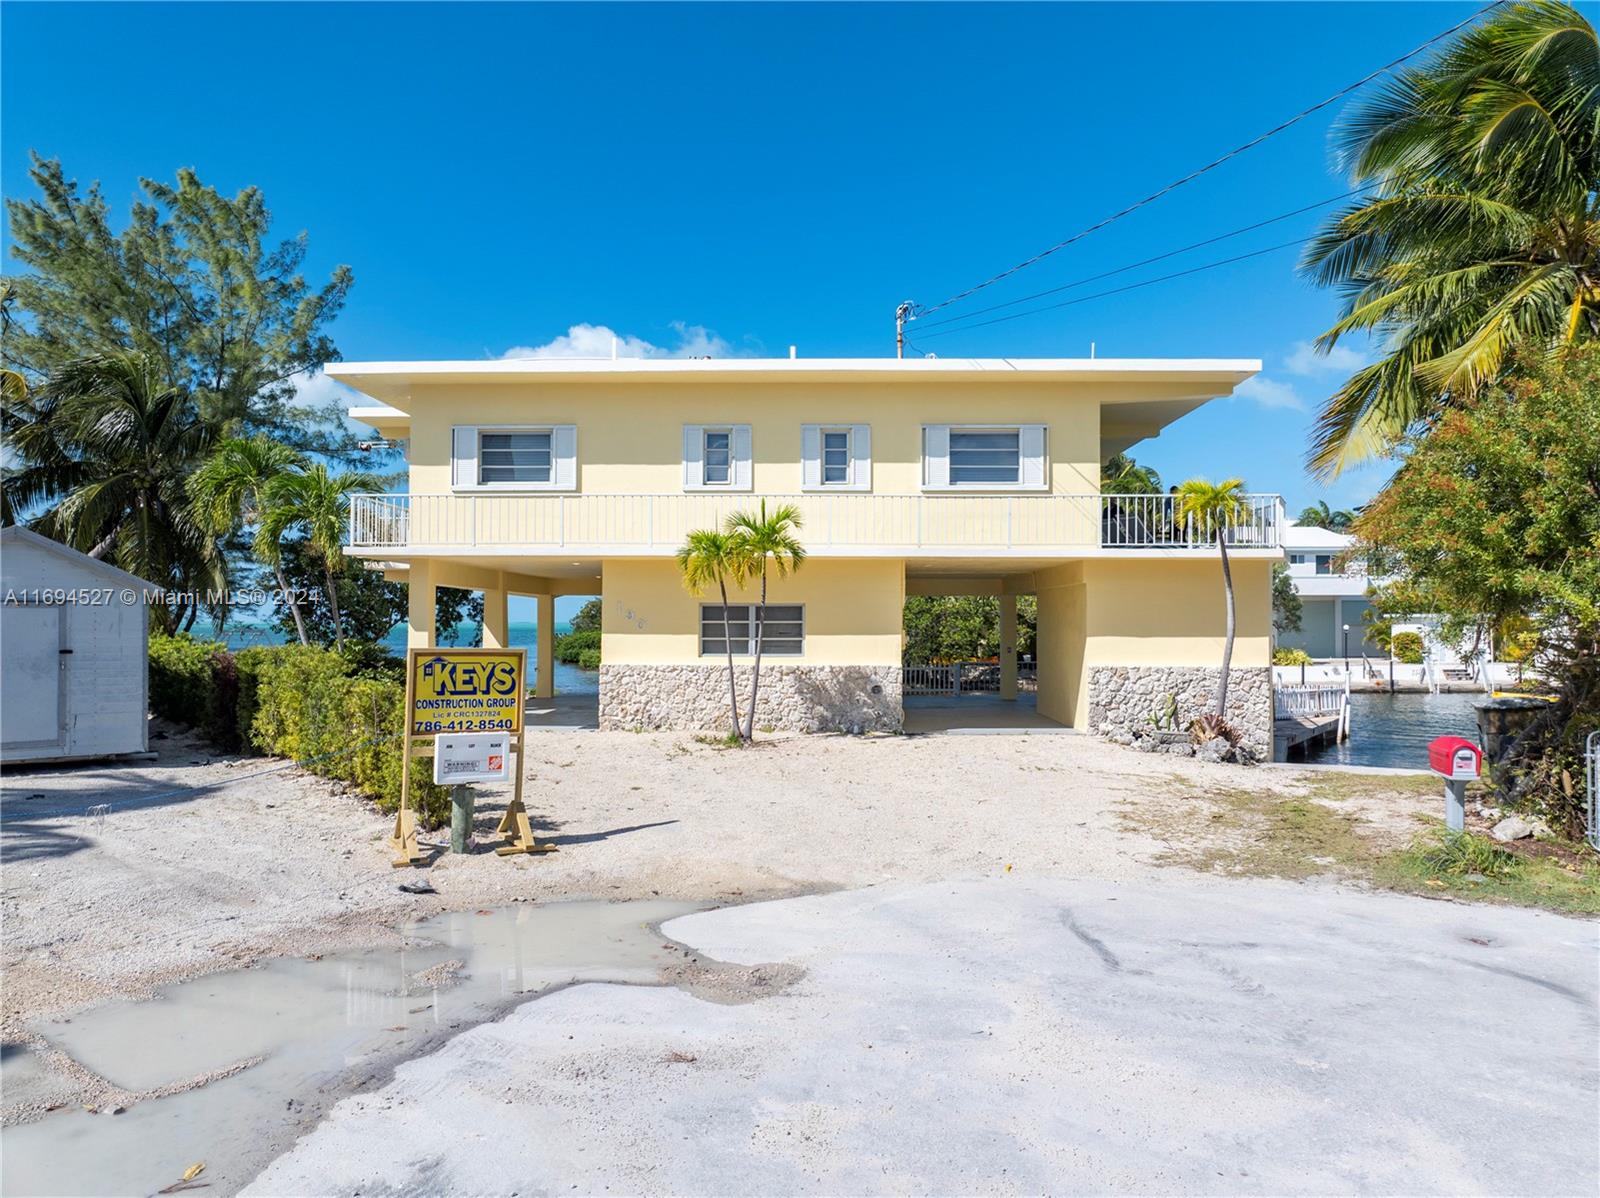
(842, 525)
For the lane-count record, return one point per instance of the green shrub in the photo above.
(181, 683)
(589, 659)
(340, 716)
(1406, 648)
(1291, 657)
(574, 645)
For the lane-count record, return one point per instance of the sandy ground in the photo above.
(204, 862)
(1011, 1035)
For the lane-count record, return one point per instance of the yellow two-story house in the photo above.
(929, 476)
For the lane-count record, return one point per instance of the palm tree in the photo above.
(1121, 475)
(765, 540)
(104, 450)
(1213, 507)
(230, 489)
(1480, 236)
(710, 557)
(318, 503)
(1320, 515)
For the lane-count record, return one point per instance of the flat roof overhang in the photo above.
(1133, 419)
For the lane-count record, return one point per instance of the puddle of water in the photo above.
(322, 1026)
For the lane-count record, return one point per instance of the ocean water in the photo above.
(570, 680)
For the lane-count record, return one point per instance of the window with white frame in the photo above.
(836, 457)
(716, 457)
(783, 629)
(515, 457)
(985, 457)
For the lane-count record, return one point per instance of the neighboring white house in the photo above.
(74, 653)
(1332, 595)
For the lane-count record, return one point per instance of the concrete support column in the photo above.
(544, 685)
(1008, 646)
(495, 620)
(420, 599)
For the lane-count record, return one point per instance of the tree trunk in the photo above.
(294, 604)
(104, 547)
(727, 643)
(333, 607)
(755, 673)
(1227, 644)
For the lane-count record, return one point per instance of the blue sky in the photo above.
(744, 178)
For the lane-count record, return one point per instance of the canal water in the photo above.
(1394, 730)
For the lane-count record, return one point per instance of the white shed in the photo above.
(74, 653)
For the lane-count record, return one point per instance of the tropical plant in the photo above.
(712, 558)
(944, 628)
(1406, 648)
(1213, 507)
(1287, 609)
(1479, 231)
(194, 283)
(1320, 515)
(229, 491)
(1495, 516)
(317, 503)
(587, 617)
(1121, 475)
(102, 454)
(765, 540)
(1290, 657)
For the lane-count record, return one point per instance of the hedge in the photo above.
(573, 647)
(340, 717)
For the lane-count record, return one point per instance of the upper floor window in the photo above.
(514, 458)
(836, 457)
(716, 457)
(716, 460)
(1324, 563)
(984, 457)
(989, 457)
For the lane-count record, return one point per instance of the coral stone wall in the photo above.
(793, 698)
(1123, 698)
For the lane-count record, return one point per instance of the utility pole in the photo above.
(901, 315)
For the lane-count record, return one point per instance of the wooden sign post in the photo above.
(451, 691)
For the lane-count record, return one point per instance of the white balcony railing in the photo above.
(842, 523)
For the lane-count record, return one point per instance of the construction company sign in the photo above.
(465, 690)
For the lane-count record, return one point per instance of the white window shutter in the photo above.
(1031, 442)
(693, 447)
(861, 457)
(464, 455)
(564, 457)
(810, 455)
(741, 457)
(936, 455)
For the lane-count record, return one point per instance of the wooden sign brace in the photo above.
(514, 825)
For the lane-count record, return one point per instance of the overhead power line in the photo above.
(920, 311)
(1083, 299)
(1106, 274)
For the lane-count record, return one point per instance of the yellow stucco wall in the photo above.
(630, 434)
(1143, 612)
(853, 612)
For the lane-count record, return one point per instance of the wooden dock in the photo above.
(1309, 715)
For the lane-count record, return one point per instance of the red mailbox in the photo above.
(1455, 758)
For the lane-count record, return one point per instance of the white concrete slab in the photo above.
(1008, 1035)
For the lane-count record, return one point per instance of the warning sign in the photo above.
(473, 757)
(465, 690)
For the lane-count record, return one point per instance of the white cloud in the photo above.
(596, 340)
(1270, 394)
(1305, 360)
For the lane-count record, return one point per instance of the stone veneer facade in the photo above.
(794, 698)
(1123, 698)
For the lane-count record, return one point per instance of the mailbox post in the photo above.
(1458, 761)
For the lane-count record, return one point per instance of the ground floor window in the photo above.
(785, 629)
